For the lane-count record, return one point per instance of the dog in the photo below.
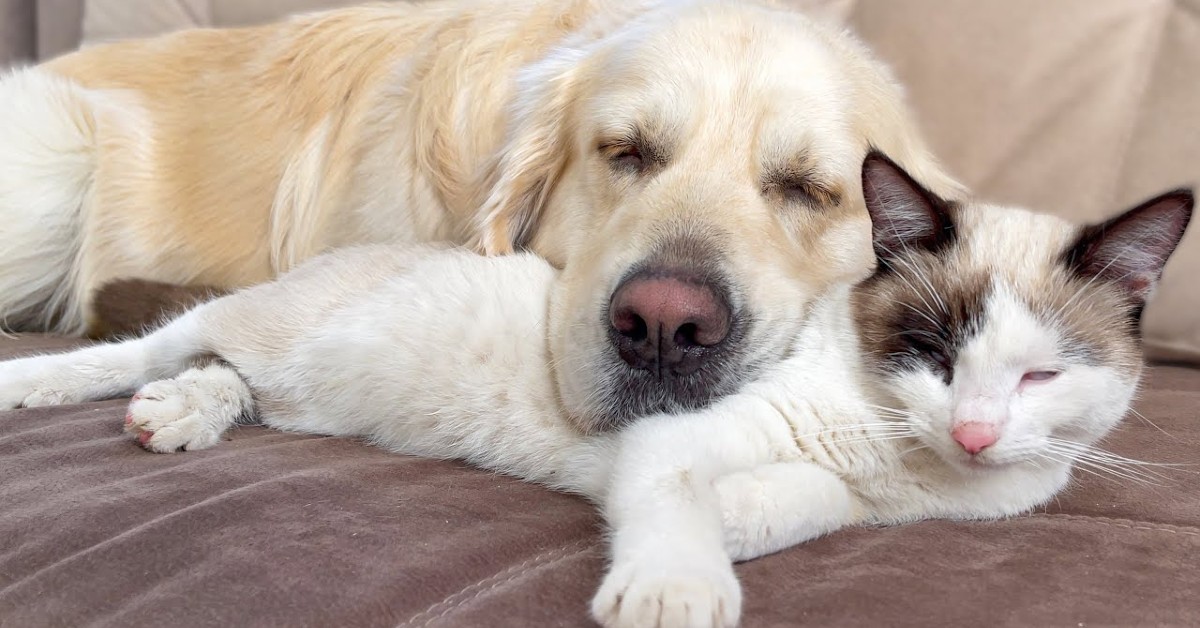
(686, 164)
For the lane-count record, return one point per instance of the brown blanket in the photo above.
(273, 529)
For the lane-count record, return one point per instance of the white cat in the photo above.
(988, 352)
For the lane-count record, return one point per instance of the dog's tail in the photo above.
(47, 163)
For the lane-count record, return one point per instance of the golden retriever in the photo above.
(691, 165)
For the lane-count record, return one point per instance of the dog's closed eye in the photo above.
(624, 156)
(632, 153)
(801, 188)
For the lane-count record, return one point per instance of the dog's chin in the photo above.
(629, 395)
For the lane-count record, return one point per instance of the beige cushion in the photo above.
(1077, 107)
(106, 20)
(17, 34)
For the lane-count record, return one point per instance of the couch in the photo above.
(1079, 107)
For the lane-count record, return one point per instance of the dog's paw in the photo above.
(651, 592)
(169, 415)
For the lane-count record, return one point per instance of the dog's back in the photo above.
(217, 157)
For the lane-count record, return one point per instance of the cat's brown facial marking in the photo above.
(917, 309)
(918, 316)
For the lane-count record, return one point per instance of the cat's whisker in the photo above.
(1116, 472)
(923, 277)
(917, 333)
(1149, 476)
(910, 417)
(868, 439)
(1152, 424)
(1101, 472)
(1084, 470)
(916, 291)
(913, 449)
(1110, 456)
(1081, 461)
(1146, 474)
(884, 428)
(1098, 455)
(1078, 293)
(904, 420)
(892, 410)
(922, 314)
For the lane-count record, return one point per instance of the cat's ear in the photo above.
(1132, 249)
(904, 215)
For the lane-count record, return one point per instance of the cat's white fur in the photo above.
(442, 353)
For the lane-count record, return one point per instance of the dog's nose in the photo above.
(975, 437)
(668, 323)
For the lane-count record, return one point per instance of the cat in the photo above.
(989, 349)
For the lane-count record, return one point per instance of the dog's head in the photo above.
(695, 175)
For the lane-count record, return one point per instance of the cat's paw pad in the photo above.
(166, 418)
(668, 594)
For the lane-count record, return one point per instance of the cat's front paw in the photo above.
(31, 383)
(683, 592)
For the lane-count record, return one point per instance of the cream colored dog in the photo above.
(685, 163)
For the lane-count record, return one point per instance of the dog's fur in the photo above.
(603, 134)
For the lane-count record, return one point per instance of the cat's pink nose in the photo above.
(975, 437)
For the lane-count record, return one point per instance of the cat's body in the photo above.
(1017, 346)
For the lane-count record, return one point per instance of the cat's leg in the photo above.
(670, 566)
(102, 371)
(190, 411)
(775, 506)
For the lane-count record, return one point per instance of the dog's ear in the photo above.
(532, 157)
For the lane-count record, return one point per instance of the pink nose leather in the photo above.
(666, 305)
(975, 437)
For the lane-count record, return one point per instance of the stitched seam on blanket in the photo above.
(473, 591)
(535, 568)
(1131, 524)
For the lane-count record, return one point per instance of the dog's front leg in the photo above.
(670, 566)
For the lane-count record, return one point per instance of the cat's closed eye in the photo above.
(1038, 376)
(936, 357)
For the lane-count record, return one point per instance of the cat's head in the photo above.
(1005, 333)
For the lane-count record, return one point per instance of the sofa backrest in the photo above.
(1075, 107)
